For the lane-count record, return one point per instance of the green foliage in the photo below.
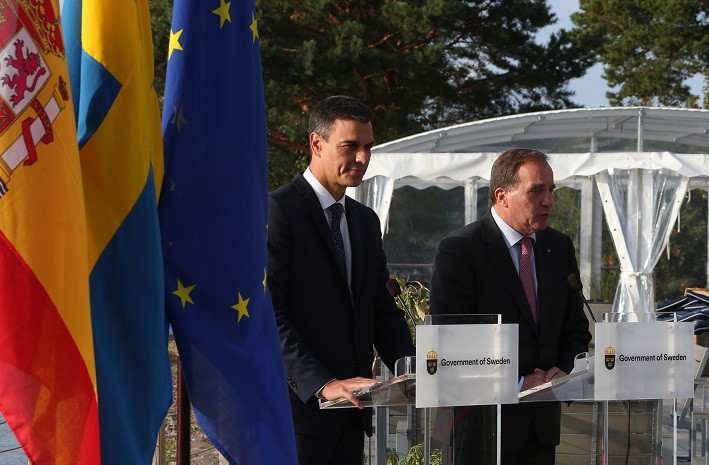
(418, 220)
(566, 216)
(419, 65)
(649, 48)
(160, 19)
(413, 302)
(415, 456)
(684, 263)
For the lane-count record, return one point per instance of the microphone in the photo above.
(575, 284)
(395, 291)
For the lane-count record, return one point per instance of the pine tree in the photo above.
(649, 48)
(419, 64)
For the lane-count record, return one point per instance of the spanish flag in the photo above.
(47, 375)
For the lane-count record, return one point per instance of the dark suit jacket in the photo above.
(327, 332)
(474, 273)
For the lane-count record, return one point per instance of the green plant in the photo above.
(392, 457)
(413, 300)
(415, 456)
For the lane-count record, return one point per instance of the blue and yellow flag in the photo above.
(110, 54)
(213, 217)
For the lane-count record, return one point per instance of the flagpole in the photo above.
(183, 419)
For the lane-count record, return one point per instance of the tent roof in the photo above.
(566, 131)
(580, 142)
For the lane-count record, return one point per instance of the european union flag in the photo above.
(213, 215)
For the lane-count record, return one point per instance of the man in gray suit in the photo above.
(509, 262)
(327, 275)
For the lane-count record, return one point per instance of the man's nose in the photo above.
(362, 156)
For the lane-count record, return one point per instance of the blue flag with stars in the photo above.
(213, 217)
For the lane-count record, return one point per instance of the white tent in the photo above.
(633, 164)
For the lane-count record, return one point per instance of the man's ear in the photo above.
(501, 197)
(315, 144)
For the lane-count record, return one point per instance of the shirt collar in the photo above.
(326, 199)
(510, 235)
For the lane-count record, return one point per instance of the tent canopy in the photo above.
(609, 154)
(684, 129)
(580, 142)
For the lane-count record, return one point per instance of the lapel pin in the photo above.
(548, 251)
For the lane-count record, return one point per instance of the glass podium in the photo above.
(618, 423)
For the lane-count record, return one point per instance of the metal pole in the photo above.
(426, 435)
(605, 432)
(183, 419)
(159, 455)
(641, 135)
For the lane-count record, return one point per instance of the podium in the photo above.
(638, 363)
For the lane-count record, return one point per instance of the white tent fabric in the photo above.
(641, 159)
(640, 205)
(462, 166)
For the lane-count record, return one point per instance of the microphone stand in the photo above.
(576, 285)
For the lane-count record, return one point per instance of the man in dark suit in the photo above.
(489, 267)
(328, 283)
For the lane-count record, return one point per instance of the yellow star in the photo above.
(174, 42)
(223, 12)
(184, 293)
(254, 28)
(241, 307)
(265, 278)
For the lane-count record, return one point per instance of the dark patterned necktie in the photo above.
(525, 274)
(336, 212)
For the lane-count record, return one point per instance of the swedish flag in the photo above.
(110, 54)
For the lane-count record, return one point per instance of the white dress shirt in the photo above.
(326, 200)
(512, 238)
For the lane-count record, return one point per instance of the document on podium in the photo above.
(395, 391)
(577, 385)
(551, 384)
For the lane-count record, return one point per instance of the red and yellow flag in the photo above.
(47, 371)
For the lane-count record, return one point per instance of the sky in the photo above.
(590, 89)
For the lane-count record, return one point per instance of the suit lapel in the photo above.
(317, 217)
(543, 255)
(502, 264)
(354, 223)
(315, 211)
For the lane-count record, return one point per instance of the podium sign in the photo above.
(644, 360)
(466, 364)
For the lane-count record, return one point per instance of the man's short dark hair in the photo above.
(505, 170)
(336, 107)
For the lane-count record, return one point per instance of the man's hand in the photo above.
(553, 373)
(533, 379)
(345, 388)
(540, 377)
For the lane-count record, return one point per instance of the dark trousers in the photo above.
(474, 441)
(532, 453)
(341, 446)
